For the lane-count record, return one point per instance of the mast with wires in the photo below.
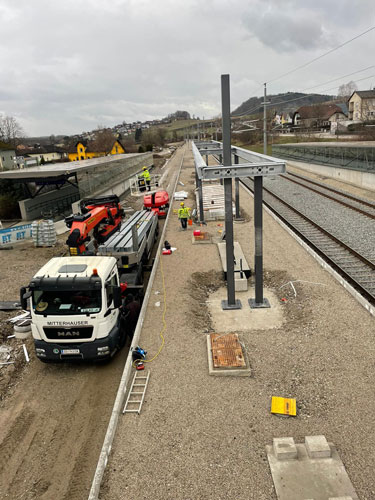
(265, 120)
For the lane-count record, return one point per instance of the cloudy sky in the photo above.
(68, 66)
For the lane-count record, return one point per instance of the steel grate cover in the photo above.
(227, 351)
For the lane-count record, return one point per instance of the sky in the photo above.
(69, 66)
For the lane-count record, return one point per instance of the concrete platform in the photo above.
(310, 471)
(205, 436)
(244, 319)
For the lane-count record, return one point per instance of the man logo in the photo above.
(68, 333)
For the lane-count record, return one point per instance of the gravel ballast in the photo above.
(202, 437)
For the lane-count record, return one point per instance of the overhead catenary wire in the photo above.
(312, 61)
(248, 112)
(326, 90)
(321, 56)
(339, 78)
(272, 104)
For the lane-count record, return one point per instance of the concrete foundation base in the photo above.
(244, 319)
(240, 284)
(310, 471)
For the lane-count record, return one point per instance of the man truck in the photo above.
(76, 301)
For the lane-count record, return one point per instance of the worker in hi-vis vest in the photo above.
(147, 178)
(183, 215)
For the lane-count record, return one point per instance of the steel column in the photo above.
(259, 300)
(198, 185)
(221, 161)
(237, 191)
(231, 302)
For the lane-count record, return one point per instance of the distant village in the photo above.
(354, 116)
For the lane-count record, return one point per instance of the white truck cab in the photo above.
(75, 309)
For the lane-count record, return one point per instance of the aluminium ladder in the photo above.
(139, 382)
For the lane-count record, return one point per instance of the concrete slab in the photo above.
(309, 478)
(244, 319)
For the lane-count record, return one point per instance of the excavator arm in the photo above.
(101, 216)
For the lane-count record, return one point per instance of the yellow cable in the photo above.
(136, 361)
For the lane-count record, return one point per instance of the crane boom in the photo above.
(101, 215)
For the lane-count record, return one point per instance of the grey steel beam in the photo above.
(237, 191)
(231, 302)
(240, 170)
(253, 164)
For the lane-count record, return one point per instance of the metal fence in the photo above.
(351, 157)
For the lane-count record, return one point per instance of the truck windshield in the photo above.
(59, 302)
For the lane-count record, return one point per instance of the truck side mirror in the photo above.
(117, 299)
(24, 295)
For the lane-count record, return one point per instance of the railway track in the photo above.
(357, 269)
(360, 205)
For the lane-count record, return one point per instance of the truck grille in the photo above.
(69, 333)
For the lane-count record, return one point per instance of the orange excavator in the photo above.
(100, 215)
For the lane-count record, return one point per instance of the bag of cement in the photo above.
(43, 233)
(180, 195)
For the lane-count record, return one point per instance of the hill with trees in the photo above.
(285, 102)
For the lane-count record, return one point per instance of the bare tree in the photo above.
(104, 139)
(347, 89)
(161, 134)
(10, 130)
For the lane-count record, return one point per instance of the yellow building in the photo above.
(84, 150)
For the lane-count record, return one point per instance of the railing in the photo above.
(350, 157)
(139, 186)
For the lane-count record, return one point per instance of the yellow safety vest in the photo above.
(184, 213)
(146, 175)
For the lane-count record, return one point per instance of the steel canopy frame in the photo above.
(253, 165)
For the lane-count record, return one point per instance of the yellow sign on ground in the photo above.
(284, 406)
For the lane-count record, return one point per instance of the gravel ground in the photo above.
(339, 195)
(351, 227)
(298, 168)
(202, 437)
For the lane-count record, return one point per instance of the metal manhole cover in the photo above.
(227, 351)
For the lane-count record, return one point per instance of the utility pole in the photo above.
(265, 120)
